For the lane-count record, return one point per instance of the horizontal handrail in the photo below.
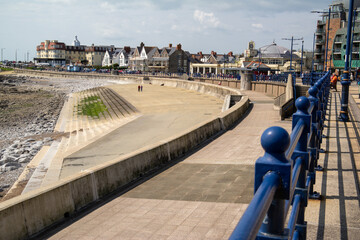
(294, 137)
(250, 222)
(295, 177)
(311, 108)
(294, 214)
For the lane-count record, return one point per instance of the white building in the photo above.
(107, 59)
(121, 56)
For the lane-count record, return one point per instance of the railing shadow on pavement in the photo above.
(285, 175)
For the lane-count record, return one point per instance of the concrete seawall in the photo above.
(28, 214)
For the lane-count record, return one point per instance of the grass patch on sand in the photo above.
(6, 69)
(92, 106)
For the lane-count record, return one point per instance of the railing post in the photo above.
(314, 141)
(275, 141)
(301, 150)
(320, 117)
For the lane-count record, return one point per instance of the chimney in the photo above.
(170, 45)
(230, 54)
(178, 47)
(127, 49)
(142, 45)
(212, 53)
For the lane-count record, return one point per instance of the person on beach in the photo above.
(138, 88)
(141, 88)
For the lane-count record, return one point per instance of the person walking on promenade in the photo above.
(138, 88)
(141, 87)
(333, 82)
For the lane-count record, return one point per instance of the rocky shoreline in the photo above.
(29, 109)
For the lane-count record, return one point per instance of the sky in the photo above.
(198, 25)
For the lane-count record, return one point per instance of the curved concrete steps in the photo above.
(82, 130)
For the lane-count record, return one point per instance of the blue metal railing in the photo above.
(285, 175)
(282, 77)
(311, 78)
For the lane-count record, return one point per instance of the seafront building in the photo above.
(273, 57)
(119, 56)
(331, 32)
(152, 59)
(278, 58)
(55, 53)
(51, 52)
(212, 63)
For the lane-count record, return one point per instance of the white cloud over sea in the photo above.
(201, 25)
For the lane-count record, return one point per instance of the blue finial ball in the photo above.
(313, 91)
(302, 104)
(275, 140)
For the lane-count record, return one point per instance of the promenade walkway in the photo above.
(204, 195)
(201, 197)
(337, 215)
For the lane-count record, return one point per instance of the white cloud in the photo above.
(108, 6)
(55, 1)
(206, 19)
(257, 25)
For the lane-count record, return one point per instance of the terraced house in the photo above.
(121, 56)
(167, 60)
(212, 63)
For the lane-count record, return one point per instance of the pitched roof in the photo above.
(150, 51)
(255, 65)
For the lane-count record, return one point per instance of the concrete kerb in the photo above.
(28, 214)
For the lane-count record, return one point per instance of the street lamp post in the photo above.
(327, 42)
(292, 39)
(344, 115)
(2, 50)
(352, 38)
(312, 63)
(301, 63)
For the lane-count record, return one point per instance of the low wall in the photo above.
(72, 74)
(28, 214)
(271, 88)
(201, 87)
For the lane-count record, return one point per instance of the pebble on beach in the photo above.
(20, 142)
